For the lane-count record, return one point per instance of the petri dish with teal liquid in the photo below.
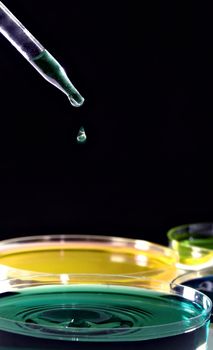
(86, 254)
(194, 245)
(202, 281)
(74, 312)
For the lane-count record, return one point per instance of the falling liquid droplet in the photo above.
(81, 137)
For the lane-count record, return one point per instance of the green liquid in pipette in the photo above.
(94, 313)
(52, 71)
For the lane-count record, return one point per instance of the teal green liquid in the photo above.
(81, 137)
(53, 72)
(96, 313)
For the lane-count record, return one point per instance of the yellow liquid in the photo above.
(88, 258)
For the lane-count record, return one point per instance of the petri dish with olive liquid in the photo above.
(74, 312)
(86, 254)
(194, 245)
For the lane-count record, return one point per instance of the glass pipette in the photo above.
(37, 55)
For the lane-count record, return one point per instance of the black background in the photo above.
(145, 70)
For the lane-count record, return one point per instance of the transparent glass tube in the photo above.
(37, 55)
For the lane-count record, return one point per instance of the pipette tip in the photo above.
(77, 100)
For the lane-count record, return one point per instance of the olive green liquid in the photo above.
(187, 244)
(98, 317)
(201, 242)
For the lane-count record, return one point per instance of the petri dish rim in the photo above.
(116, 241)
(191, 275)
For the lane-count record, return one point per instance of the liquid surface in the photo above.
(87, 258)
(97, 313)
(201, 242)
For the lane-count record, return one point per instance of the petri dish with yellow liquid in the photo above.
(86, 254)
(194, 245)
